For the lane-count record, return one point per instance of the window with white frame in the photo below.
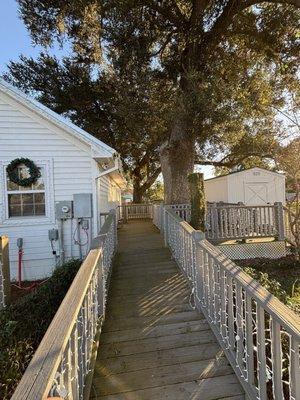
(26, 201)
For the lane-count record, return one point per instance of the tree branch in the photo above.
(230, 163)
(250, 3)
(164, 45)
(197, 11)
(177, 9)
(151, 179)
(232, 8)
(295, 122)
(166, 12)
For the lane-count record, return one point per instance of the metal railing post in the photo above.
(166, 227)
(214, 221)
(125, 213)
(161, 217)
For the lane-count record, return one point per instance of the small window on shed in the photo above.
(26, 201)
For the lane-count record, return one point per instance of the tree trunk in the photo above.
(137, 190)
(177, 162)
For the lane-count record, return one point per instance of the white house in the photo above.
(77, 172)
(254, 186)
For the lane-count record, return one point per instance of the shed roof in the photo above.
(58, 120)
(244, 170)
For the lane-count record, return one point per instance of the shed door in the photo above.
(256, 193)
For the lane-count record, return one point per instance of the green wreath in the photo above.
(34, 172)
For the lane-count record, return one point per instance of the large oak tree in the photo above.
(226, 62)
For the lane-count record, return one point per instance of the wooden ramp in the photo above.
(153, 344)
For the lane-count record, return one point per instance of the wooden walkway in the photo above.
(153, 344)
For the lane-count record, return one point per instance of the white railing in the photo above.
(240, 221)
(182, 210)
(259, 335)
(135, 211)
(158, 215)
(62, 364)
(237, 221)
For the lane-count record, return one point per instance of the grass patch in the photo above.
(281, 277)
(24, 323)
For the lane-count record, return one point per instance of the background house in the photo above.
(76, 170)
(254, 186)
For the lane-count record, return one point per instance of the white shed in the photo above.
(254, 186)
(71, 162)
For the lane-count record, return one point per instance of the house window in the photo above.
(26, 201)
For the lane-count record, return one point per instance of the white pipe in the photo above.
(79, 238)
(71, 243)
(61, 242)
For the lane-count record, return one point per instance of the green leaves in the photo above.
(24, 323)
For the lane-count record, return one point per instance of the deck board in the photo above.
(153, 344)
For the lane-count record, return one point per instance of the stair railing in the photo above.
(259, 335)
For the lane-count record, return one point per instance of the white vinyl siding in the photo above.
(24, 134)
(108, 195)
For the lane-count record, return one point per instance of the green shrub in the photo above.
(24, 323)
(272, 285)
(198, 203)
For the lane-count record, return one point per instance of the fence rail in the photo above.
(239, 221)
(231, 222)
(259, 334)
(62, 363)
(134, 211)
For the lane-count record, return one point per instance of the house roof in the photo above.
(247, 169)
(58, 120)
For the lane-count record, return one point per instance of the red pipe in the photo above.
(20, 267)
(20, 264)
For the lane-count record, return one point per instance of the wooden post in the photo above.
(4, 255)
(279, 220)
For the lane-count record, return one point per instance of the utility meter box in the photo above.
(83, 205)
(53, 234)
(64, 209)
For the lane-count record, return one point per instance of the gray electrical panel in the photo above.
(83, 205)
(53, 234)
(64, 209)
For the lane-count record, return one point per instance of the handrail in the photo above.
(259, 335)
(61, 363)
(240, 221)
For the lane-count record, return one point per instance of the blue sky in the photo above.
(15, 40)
